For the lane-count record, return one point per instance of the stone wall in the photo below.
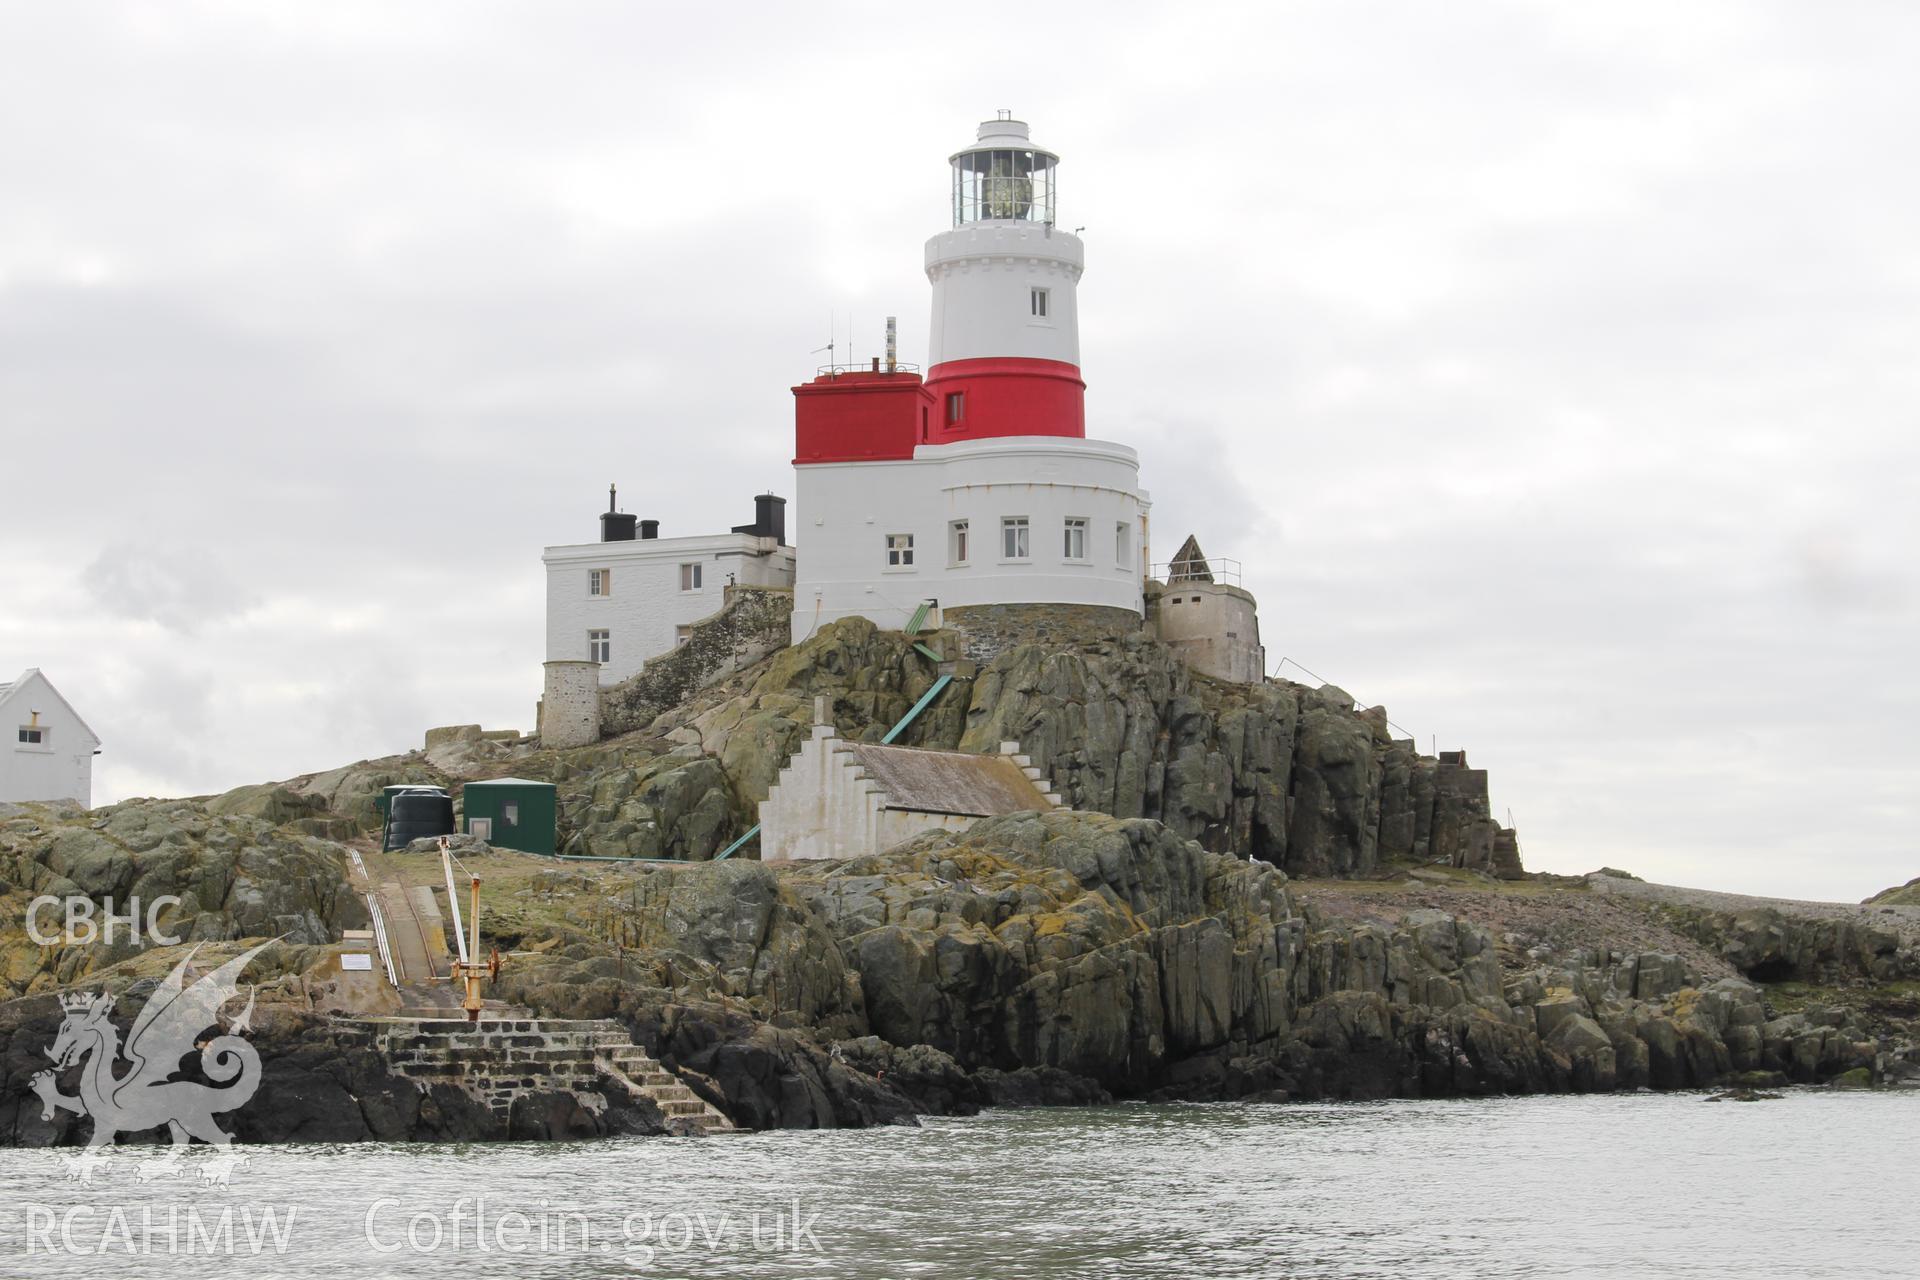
(989, 630)
(752, 623)
(503, 1063)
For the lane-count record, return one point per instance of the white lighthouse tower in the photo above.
(976, 485)
(1004, 355)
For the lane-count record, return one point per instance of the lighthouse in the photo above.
(1004, 353)
(975, 484)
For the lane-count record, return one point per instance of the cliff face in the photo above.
(237, 876)
(1246, 903)
(1065, 956)
(1279, 772)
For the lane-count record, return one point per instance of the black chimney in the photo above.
(769, 519)
(615, 527)
(770, 513)
(649, 530)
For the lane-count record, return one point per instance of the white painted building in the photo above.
(842, 799)
(628, 598)
(977, 485)
(1020, 520)
(49, 750)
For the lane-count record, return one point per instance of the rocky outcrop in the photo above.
(1279, 772)
(1071, 956)
(321, 1080)
(752, 623)
(235, 875)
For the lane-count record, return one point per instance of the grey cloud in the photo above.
(1549, 368)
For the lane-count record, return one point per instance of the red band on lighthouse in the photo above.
(998, 396)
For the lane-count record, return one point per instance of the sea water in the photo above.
(1812, 1184)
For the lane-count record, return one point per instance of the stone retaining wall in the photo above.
(987, 630)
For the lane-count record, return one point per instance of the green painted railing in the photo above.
(731, 849)
(926, 700)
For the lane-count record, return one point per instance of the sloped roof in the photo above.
(1189, 563)
(33, 673)
(954, 782)
(508, 782)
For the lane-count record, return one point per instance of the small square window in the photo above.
(33, 736)
(681, 635)
(599, 646)
(956, 407)
(899, 551)
(1037, 298)
(957, 542)
(690, 577)
(510, 814)
(599, 582)
(1076, 538)
(1013, 538)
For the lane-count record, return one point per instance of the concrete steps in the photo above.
(499, 1059)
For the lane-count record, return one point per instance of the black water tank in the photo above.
(413, 815)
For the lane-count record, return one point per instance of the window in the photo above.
(1076, 538)
(1120, 540)
(690, 577)
(510, 814)
(956, 407)
(899, 551)
(599, 582)
(33, 736)
(480, 828)
(681, 635)
(1013, 538)
(957, 542)
(1038, 299)
(599, 646)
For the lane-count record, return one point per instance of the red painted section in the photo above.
(1007, 396)
(873, 417)
(859, 417)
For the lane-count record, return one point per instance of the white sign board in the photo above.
(356, 960)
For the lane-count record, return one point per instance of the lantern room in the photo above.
(1003, 177)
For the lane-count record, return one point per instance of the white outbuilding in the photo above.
(839, 798)
(49, 749)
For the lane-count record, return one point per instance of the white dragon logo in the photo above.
(145, 1096)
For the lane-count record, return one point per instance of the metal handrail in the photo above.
(380, 938)
(1220, 568)
(834, 370)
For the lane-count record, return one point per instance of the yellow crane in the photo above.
(467, 969)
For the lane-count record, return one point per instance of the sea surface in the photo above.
(1814, 1184)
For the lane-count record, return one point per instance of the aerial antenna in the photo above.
(829, 347)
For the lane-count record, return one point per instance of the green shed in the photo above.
(512, 813)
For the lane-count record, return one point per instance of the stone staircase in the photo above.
(499, 1059)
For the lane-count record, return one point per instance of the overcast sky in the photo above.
(1551, 367)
